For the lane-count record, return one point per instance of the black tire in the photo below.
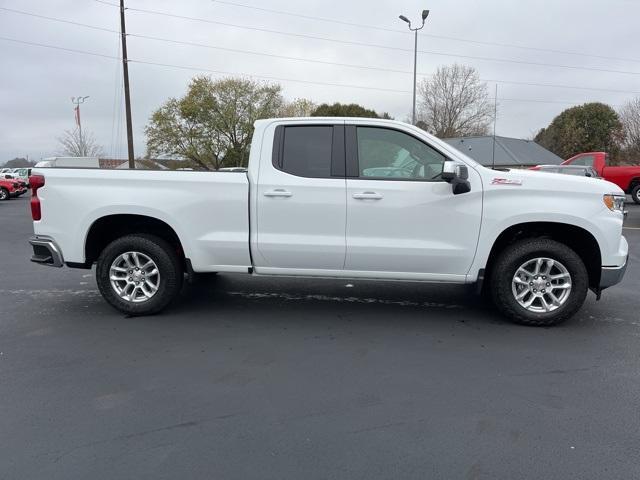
(4, 194)
(517, 254)
(168, 264)
(635, 194)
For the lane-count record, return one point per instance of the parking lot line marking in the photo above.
(631, 228)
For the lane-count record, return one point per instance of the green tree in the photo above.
(346, 110)
(212, 125)
(591, 127)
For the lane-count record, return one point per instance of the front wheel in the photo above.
(635, 194)
(4, 194)
(539, 282)
(139, 274)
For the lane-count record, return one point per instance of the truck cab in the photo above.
(627, 177)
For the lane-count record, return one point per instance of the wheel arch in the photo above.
(633, 183)
(577, 238)
(110, 227)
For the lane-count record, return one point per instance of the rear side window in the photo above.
(306, 150)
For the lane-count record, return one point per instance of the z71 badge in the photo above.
(505, 181)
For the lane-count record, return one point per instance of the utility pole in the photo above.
(425, 14)
(77, 101)
(127, 96)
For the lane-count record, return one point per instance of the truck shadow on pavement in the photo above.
(300, 299)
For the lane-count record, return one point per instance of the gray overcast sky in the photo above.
(37, 83)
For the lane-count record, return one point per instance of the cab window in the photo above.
(390, 154)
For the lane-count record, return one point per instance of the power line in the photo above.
(271, 55)
(366, 67)
(72, 50)
(283, 79)
(386, 47)
(533, 100)
(310, 17)
(268, 77)
(552, 85)
(430, 35)
(83, 52)
(525, 62)
(107, 3)
(285, 57)
(70, 22)
(570, 87)
(347, 42)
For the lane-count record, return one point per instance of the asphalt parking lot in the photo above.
(248, 378)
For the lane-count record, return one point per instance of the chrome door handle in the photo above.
(278, 192)
(367, 196)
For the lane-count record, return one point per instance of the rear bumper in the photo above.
(46, 252)
(610, 276)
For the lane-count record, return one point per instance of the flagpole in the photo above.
(495, 120)
(77, 101)
(79, 123)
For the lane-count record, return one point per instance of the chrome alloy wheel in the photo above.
(134, 277)
(541, 285)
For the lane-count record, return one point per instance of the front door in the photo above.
(403, 220)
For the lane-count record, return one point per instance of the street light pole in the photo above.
(425, 14)
(77, 101)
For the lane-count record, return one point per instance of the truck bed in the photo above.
(209, 211)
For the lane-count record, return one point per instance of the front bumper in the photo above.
(610, 276)
(46, 252)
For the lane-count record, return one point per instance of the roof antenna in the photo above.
(495, 119)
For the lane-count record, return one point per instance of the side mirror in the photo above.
(457, 175)
(449, 171)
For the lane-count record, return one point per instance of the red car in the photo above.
(11, 188)
(626, 177)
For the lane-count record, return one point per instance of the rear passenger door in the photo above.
(301, 200)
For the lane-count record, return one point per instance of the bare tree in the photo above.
(455, 103)
(300, 107)
(630, 118)
(75, 144)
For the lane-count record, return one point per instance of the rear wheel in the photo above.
(635, 193)
(139, 274)
(4, 194)
(539, 282)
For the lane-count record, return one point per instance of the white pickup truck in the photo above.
(338, 198)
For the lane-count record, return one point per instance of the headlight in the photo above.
(615, 203)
